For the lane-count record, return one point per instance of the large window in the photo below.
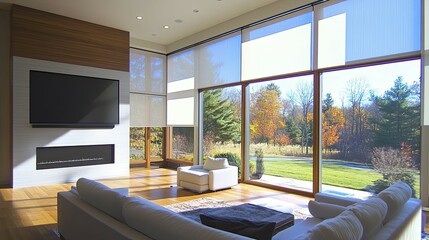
(333, 88)
(371, 128)
(222, 124)
(147, 105)
(281, 132)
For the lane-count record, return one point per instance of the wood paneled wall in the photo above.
(46, 36)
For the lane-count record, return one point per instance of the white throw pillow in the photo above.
(215, 163)
(371, 214)
(344, 226)
(324, 210)
(395, 197)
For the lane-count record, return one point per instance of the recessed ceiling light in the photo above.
(178, 21)
(196, 11)
(139, 17)
(166, 26)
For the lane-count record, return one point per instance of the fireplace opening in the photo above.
(74, 156)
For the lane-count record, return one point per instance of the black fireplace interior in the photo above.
(74, 156)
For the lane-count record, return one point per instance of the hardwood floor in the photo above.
(31, 213)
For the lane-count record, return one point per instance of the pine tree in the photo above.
(220, 120)
(328, 103)
(400, 119)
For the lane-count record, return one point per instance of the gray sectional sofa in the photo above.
(390, 215)
(93, 211)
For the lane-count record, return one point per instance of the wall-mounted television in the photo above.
(63, 100)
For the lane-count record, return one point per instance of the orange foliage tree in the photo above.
(333, 121)
(266, 116)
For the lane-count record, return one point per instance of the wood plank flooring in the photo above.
(31, 213)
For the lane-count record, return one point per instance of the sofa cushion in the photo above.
(260, 230)
(101, 197)
(197, 176)
(344, 226)
(371, 214)
(395, 196)
(158, 222)
(215, 163)
(324, 210)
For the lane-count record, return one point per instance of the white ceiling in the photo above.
(184, 17)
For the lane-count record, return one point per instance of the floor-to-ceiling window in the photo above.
(370, 95)
(221, 119)
(281, 132)
(280, 126)
(147, 106)
(181, 107)
(314, 93)
(371, 128)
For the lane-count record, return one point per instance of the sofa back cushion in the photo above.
(158, 222)
(215, 163)
(371, 214)
(344, 226)
(101, 197)
(395, 197)
(325, 210)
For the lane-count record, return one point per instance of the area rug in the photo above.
(194, 208)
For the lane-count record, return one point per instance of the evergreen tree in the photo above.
(275, 88)
(400, 117)
(220, 122)
(328, 103)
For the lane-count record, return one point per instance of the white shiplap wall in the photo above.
(26, 138)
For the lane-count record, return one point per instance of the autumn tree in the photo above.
(332, 123)
(266, 114)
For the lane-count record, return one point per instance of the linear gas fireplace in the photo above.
(73, 156)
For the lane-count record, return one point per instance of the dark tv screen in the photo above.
(73, 101)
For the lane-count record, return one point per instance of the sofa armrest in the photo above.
(223, 178)
(334, 199)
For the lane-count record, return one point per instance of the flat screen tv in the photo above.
(63, 100)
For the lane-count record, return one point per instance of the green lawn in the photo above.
(335, 175)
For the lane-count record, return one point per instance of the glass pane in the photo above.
(219, 62)
(137, 143)
(147, 110)
(183, 143)
(156, 139)
(147, 72)
(281, 132)
(356, 30)
(371, 128)
(181, 85)
(137, 71)
(277, 47)
(157, 73)
(222, 124)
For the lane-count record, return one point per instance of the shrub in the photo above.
(252, 167)
(233, 159)
(394, 165)
(260, 169)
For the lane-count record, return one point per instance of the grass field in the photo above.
(335, 175)
(332, 174)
